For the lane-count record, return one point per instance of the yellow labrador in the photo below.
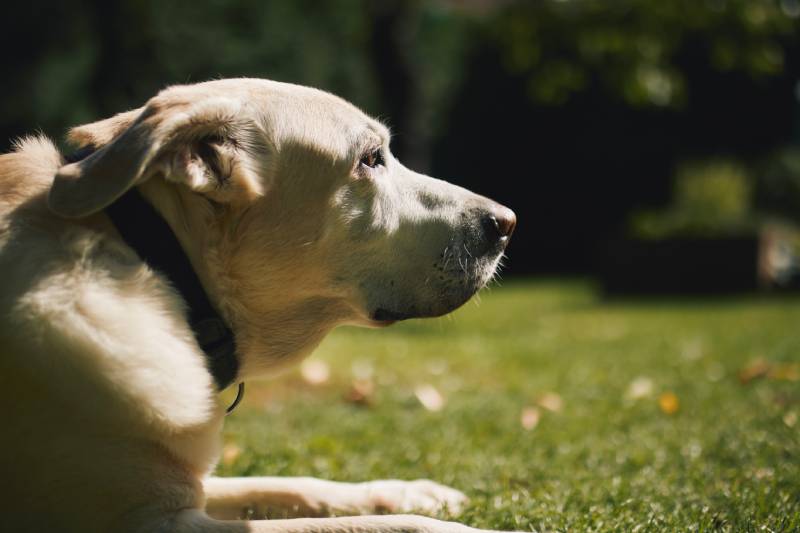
(214, 235)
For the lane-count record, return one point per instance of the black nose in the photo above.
(499, 223)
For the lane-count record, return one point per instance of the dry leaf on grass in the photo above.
(641, 387)
(430, 398)
(361, 392)
(668, 403)
(551, 401)
(230, 452)
(529, 418)
(362, 369)
(315, 371)
(759, 368)
(785, 372)
(756, 369)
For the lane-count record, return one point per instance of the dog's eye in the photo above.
(372, 159)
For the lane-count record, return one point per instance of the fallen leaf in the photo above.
(230, 452)
(315, 371)
(692, 350)
(362, 369)
(785, 372)
(437, 367)
(529, 418)
(668, 403)
(361, 392)
(760, 368)
(551, 401)
(756, 369)
(790, 419)
(430, 398)
(641, 387)
(763, 473)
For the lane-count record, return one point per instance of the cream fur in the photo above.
(110, 416)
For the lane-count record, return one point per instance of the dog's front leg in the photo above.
(195, 521)
(231, 498)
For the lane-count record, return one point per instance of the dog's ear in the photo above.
(100, 133)
(198, 142)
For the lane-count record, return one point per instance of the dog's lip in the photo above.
(382, 315)
(388, 317)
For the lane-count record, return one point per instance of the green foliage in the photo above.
(711, 198)
(778, 187)
(718, 189)
(117, 57)
(108, 57)
(632, 47)
(727, 460)
(321, 44)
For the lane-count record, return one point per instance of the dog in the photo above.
(211, 236)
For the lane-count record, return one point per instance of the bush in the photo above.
(710, 199)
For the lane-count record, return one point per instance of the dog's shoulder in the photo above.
(77, 303)
(99, 370)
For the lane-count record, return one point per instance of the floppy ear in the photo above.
(196, 143)
(102, 132)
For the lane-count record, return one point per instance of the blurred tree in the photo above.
(574, 111)
(710, 199)
(632, 48)
(86, 60)
(417, 56)
(778, 189)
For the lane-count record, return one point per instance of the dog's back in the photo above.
(27, 172)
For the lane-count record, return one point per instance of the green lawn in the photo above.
(610, 459)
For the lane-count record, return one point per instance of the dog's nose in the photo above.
(499, 223)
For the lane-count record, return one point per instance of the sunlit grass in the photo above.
(726, 460)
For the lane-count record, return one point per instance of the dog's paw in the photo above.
(419, 496)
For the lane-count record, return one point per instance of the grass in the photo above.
(726, 460)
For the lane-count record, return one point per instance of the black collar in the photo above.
(144, 230)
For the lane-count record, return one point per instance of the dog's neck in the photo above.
(143, 226)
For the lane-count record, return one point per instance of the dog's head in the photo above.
(293, 210)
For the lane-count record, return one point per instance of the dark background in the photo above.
(577, 114)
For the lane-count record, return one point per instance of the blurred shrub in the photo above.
(73, 62)
(778, 187)
(710, 199)
(632, 47)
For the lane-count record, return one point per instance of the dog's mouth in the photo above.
(456, 277)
